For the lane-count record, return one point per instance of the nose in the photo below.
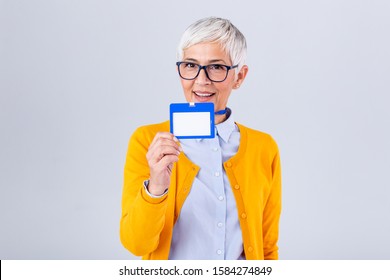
(202, 78)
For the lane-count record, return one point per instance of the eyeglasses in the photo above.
(214, 72)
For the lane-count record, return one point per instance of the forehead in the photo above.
(206, 52)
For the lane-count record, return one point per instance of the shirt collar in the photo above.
(227, 127)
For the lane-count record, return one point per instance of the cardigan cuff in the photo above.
(155, 199)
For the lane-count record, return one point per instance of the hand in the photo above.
(163, 152)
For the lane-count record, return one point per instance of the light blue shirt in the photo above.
(208, 226)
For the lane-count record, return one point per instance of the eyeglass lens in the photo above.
(215, 72)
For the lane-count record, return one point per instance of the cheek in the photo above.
(228, 86)
(225, 90)
(187, 89)
(186, 85)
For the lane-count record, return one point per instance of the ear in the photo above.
(241, 76)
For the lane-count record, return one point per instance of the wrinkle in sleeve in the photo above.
(272, 211)
(143, 216)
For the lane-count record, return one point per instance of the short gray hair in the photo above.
(215, 30)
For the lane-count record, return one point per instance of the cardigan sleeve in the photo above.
(272, 209)
(143, 216)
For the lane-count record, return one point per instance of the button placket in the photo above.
(219, 192)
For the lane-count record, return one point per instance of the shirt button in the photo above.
(220, 197)
(216, 174)
(220, 225)
(250, 249)
(243, 215)
(237, 187)
(229, 164)
(219, 252)
(215, 149)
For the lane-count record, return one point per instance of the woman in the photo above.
(214, 198)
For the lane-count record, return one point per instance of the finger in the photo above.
(170, 167)
(157, 154)
(163, 142)
(165, 135)
(159, 151)
(168, 160)
(163, 165)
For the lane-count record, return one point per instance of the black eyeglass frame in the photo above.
(204, 67)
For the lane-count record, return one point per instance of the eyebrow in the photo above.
(210, 61)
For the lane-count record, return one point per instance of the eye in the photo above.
(217, 67)
(188, 65)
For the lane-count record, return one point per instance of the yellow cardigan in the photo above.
(254, 173)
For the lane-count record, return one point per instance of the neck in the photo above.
(219, 118)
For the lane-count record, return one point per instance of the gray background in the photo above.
(77, 77)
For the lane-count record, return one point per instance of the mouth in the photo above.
(203, 96)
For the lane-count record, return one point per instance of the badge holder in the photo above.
(192, 120)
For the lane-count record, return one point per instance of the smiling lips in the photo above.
(203, 95)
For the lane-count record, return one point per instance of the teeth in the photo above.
(203, 94)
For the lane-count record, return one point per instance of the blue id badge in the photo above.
(192, 120)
